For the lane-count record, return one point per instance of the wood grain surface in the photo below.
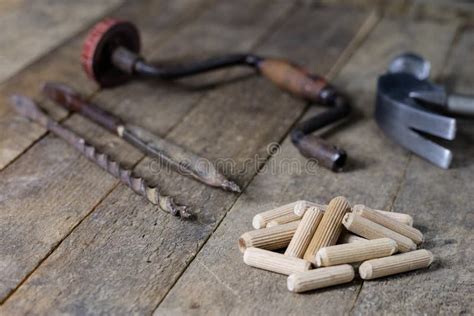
(373, 179)
(141, 278)
(63, 187)
(32, 28)
(76, 241)
(444, 215)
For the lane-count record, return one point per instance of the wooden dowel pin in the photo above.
(381, 267)
(271, 238)
(347, 238)
(403, 229)
(301, 207)
(355, 252)
(400, 217)
(329, 228)
(284, 220)
(275, 262)
(370, 230)
(332, 237)
(319, 278)
(262, 219)
(304, 233)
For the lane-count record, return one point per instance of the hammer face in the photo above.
(410, 63)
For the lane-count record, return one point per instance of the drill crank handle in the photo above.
(132, 63)
(282, 73)
(314, 147)
(460, 104)
(293, 79)
(68, 98)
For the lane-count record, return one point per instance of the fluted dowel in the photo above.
(404, 262)
(262, 219)
(400, 217)
(304, 233)
(275, 262)
(284, 220)
(370, 230)
(403, 229)
(301, 207)
(329, 228)
(271, 238)
(355, 252)
(319, 278)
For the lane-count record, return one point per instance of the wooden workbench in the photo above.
(76, 241)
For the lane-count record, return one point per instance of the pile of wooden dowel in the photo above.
(332, 239)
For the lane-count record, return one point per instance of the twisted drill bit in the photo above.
(27, 107)
(172, 155)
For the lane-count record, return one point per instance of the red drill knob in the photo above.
(99, 45)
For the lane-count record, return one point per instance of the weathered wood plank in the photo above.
(442, 10)
(51, 186)
(7, 6)
(218, 282)
(126, 254)
(441, 200)
(18, 136)
(31, 28)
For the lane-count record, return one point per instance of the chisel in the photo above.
(181, 160)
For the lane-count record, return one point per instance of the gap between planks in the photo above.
(258, 42)
(456, 38)
(400, 185)
(359, 288)
(65, 41)
(366, 28)
(27, 276)
(40, 58)
(187, 17)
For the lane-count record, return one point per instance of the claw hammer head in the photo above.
(402, 118)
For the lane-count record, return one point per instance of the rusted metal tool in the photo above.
(29, 109)
(181, 160)
(110, 56)
(408, 103)
(311, 146)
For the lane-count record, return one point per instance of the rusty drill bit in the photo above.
(181, 160)
(27, 107)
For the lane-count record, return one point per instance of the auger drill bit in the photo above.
(27, 107)
(181, 160)
(111, 56)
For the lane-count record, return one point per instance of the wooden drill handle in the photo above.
(293, 79)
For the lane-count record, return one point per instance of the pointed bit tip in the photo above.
(25, 106)
(231, 186)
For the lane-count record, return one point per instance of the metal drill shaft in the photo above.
(29, 109)
(174, 156)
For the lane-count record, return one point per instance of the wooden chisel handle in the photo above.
(292, 78)
(73, 101)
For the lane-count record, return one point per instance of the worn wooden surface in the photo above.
(76, 241)
(374, 183)
(31, 28)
